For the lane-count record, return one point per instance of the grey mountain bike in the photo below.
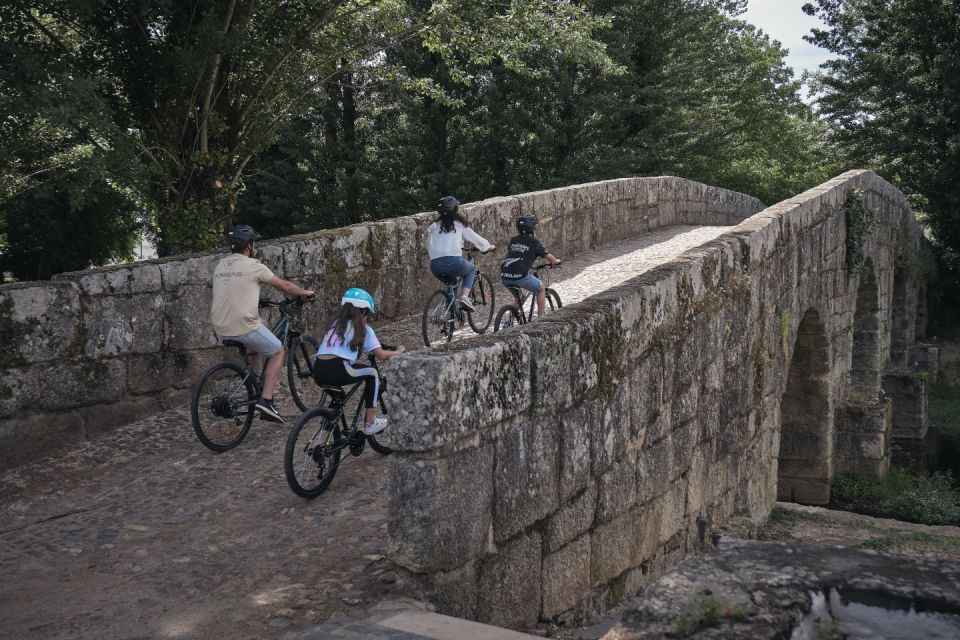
(222, 407)
(513, 314)
(443, 315)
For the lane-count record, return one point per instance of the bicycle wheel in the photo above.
(312, 454)
(437, 322)
(382, 449)
(482, 296)
(553, 299)
(222, 406)
(305, 393)
(507, 317)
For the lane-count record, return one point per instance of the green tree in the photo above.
(893, 97)
(202, 88)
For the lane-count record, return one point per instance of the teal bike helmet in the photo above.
(358, 298)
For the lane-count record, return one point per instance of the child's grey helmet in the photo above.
(527, 223)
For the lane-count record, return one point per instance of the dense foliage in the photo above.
(893, 94)
(902, 495)
(181, 117)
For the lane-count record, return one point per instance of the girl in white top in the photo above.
(337, 356)
(445, 245)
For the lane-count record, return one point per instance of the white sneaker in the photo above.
(466, 304)
(379, 424)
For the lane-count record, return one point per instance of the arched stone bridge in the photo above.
(543, 472)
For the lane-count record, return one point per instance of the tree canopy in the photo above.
(892, 94)
(182, 117)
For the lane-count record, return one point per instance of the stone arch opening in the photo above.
(920, 331)
(806, 418)
(865, 356)
(903, 307)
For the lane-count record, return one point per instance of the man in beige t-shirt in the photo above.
(235, 310)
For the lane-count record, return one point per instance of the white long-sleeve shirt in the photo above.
(440, 244)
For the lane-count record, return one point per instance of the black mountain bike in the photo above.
(443, 315)
(320, 436)
(222, 407)
(512, 314)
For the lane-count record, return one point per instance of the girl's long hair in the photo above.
(350, 315)
(447, 221)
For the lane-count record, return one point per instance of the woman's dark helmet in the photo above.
(448, 205)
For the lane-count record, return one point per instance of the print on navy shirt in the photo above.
(523, 250)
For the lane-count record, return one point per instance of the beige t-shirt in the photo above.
(236, 294)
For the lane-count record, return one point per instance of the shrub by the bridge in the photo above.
(902, 494)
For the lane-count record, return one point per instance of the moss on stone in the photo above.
(13, 335)
(785, 318)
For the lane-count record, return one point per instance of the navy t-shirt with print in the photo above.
(521, 252)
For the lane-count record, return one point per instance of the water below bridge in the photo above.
(144, 533)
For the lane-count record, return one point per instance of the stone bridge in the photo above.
(555, 469)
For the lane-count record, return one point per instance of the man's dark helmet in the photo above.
(527, 222)
(448, 205)
(241, 235)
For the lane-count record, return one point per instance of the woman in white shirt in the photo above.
(445, 245)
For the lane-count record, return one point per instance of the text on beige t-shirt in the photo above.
(236, 294)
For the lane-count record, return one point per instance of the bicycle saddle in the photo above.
(448, 279)
(232, 343)
(331, 389)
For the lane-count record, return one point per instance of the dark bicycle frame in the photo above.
(520, 294)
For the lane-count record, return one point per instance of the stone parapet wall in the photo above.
(552, 470)
(93, 349)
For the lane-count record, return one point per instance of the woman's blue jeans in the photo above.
(454, 267)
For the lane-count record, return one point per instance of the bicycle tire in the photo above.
(507, 317)
(222, 407)
(553, 299)
(484, 301)
(382, 449)
(436, 320)
(301, 461)
(305, 393)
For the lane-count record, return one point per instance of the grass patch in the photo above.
(902, 494)
(787, 516)
(913, 541)
(945, 408)
(709, 611)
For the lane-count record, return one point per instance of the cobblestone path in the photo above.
(144, 533)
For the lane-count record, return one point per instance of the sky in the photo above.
(784, 21)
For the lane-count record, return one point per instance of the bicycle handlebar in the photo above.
(286, 302)
(545, 265)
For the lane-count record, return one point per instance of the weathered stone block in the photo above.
(510, 590)
(19, 389)
(453, 592)
(672, 508)
(551, 371)
(617, 489)
(122, 325)
(111, 281)
(566, 577)
(575, 445)
(526, 472)
(653, 469)
(188, 315)
(39, 322)
(440, 397)
(612, 437)
(614, 548)
(439, 510)
(908, 391)
(82, 382)
(571, 519)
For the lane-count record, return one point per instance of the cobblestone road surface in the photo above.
(143, 533)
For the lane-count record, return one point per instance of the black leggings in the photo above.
(338, 372)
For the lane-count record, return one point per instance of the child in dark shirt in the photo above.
(522, 250)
